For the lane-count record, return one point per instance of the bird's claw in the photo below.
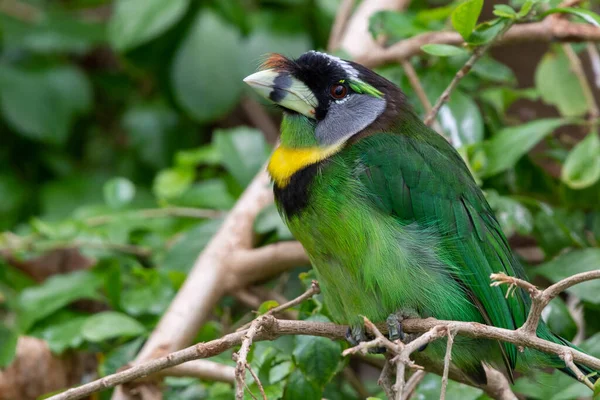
(394, 325)
(356, 334)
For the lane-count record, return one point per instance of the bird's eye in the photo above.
(338, 91)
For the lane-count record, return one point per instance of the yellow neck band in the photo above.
(286, 161)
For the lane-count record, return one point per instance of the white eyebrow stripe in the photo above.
(349, 69)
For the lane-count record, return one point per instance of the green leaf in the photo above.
(526, 8)
(208, 155)
(430, 388)
(486, 31)
(207, 87)
(173, 182)
(504, 11)
(243, 152)
(587, 15)
(150, 294)
(118, 192)
(186, 247)
(559, 86)
(56, 292)
(559, 319)
(299, 387)
(596, 390)
(317, 357)
(134, 22)
(493, 71)
(461, 120)
(269, 220)
(510, 144)
(212, 193)
(63, 335)
(513, 216)
(109, 325)
(573, 263)
(443, 50)
(582, 166)
(120, 356)
(554, 386)
(56, 32)
(280, 371)
(395, 25)
(9, 338)
(266, 306)
(558, 228)
(42, 105)
(148, 128)
(465, 16)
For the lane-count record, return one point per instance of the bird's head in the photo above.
(339, 97)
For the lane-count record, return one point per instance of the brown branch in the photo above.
(241, 357)
(415, 83)
(273, 328)
(567, 357)
(339, 24)
(258, 382)
(577, 69)
(540, 299)
(202, 369)
(385, 380)
(412, 383)
(447, 361)
(564, 31)
(358, 41)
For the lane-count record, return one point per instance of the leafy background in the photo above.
(126, 136)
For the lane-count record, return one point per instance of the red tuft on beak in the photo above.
(277, 62)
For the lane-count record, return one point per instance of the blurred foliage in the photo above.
(122, 136)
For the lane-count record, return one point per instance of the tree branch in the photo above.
(530, 32)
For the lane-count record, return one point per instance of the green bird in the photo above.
(389, 214)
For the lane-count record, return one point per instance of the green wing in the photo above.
(419, 177)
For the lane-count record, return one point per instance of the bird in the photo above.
(389, 214)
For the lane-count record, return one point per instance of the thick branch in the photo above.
(274, 328)
(531, 32)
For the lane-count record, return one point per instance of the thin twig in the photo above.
(385, 379)
(339, 25)
(577, 69)
(447, 361)
(242, 356)
(540, 299)
(258, 382)
(415, 83)
(178, 212)
(575, 307)
(567, 357)
(477, 54)
(310, 292)
(355, 382)
(413, 383)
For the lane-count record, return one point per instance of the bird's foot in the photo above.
(395, 332)
(357, 334)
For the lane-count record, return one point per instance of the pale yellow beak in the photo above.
(283, 89)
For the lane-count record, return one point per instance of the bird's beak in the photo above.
(283, 89)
